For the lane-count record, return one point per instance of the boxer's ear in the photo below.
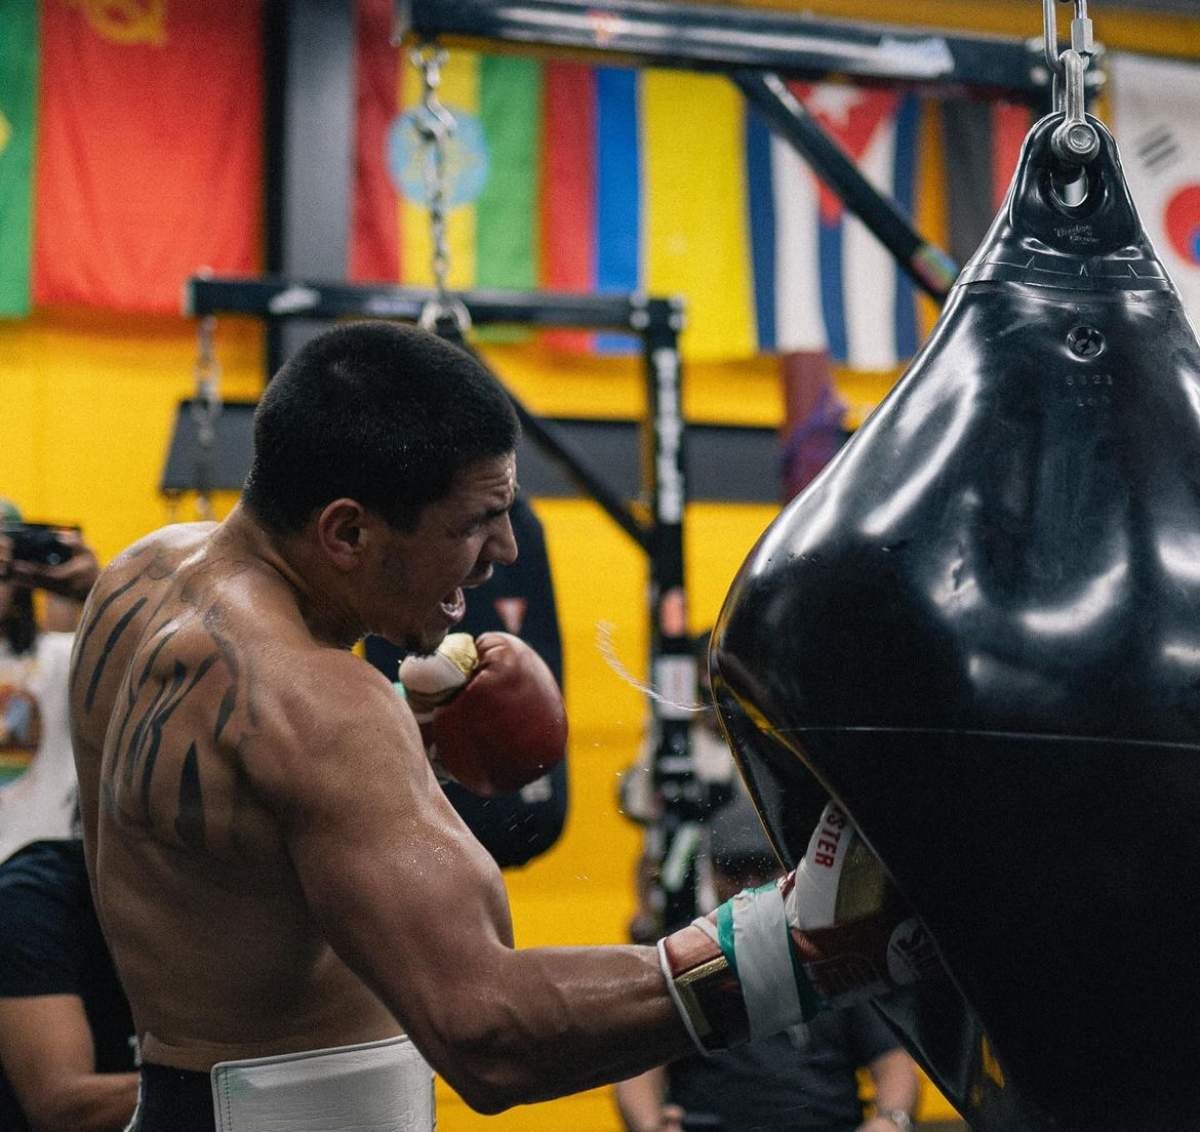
(340, 529)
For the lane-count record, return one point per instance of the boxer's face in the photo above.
(453, 547)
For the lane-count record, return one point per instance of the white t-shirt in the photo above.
(38, 800)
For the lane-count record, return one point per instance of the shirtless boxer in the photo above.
(294, 908)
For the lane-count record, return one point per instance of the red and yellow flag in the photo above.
(149, 149)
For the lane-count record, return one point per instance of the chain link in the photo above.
(436, 126)
(1075, 141)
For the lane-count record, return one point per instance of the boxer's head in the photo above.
(389, 453)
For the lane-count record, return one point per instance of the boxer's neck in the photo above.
(321, 593)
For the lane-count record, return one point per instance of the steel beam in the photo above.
(277, 297)
(707, 37)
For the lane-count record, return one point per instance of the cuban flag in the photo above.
(1156, 118)
(822, 281)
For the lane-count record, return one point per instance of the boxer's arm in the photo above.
(416, 907)
(48, 1056)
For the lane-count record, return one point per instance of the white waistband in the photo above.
(375, 1087)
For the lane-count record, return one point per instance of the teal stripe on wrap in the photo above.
(725, 934)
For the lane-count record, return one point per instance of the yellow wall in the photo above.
(87, 402)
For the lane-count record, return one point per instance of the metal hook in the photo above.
(1081, 33)
(445, 316)
(1075, 141)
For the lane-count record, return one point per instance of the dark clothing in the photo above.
(50, 943)
(174, 1100)
(772, 1084)
(517, 599)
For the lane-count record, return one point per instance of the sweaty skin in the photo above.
(275, 865)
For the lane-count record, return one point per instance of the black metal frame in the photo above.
(707, 37)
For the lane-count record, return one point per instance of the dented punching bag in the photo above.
(979, 629)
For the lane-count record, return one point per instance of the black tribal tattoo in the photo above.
(139, 738)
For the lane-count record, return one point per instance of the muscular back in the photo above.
(180, 693)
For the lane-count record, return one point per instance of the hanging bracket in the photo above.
(1075, 142)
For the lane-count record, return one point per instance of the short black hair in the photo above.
(380, 412)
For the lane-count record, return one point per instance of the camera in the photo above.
(37, 542)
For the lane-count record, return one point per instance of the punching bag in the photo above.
(979, 629)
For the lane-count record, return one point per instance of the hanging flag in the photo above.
(823, 281)
(1156, 120)
(570, 177)
(149, 153)
(567, 184)
(18, 127)
(493, 153)
(374, 253)
(695, 209)
(982, 144)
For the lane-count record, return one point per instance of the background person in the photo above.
(803, 1081)
(37, 771)
(67, 1059)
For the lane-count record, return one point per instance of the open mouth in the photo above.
(454, 606)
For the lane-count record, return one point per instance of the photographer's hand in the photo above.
(72, 579)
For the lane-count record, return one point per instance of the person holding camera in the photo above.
(37, 769)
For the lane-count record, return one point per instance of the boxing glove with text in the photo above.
(828, 934)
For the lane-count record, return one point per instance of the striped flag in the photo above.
(822, 281)
(983, 141)
(561, 176)
(493, 156)
(130, 150)
(18, 128)
(1156, 118)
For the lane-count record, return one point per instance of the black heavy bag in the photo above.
(979, 629)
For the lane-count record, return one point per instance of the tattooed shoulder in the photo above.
(162, 691)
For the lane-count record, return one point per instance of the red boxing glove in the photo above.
(507, 726)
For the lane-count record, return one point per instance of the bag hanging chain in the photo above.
(205, 408)
(1075, 141)
(436, 126)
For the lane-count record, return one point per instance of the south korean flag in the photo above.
(1156, 119)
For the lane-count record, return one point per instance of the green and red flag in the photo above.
(18, 129)
(134, 149)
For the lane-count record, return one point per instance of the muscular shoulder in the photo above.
(156, 553)
(325, 717)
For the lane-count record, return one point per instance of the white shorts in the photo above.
(381, 1086)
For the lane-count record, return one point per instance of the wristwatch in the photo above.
(899, 1117)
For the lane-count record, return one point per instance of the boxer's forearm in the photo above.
(559, 1020)
(93, 1102)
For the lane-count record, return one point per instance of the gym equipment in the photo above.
(976, 629)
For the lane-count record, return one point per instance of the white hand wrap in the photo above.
(763, 946)
(828, 934)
